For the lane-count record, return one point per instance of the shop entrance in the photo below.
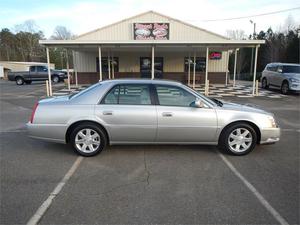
(145, 67)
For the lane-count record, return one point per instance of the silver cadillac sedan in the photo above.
(140, 111)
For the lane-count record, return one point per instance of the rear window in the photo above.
(291, 69)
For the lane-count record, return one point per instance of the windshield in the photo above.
(74, 95)
(291, 69)
(202, 96)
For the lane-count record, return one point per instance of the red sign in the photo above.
(215, 55)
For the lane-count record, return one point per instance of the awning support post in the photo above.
(68, 71)
(194, 71)
(206, 71)
(189, 70)
(227, 71)
(100, 63)
(108, 64)
(75, 67)
(254, 71)
(113, 66)
(49, 71)
(234, 69)
(152, 63)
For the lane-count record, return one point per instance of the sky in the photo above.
(86, 15)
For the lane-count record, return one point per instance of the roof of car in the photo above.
(148, 81)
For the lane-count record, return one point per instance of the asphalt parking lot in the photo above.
(147, 184)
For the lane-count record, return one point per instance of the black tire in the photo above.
(284, 87)
(19, 80)
(102, 138)
(264, 83)
(55, 79)
(225, 139)
(28, 82)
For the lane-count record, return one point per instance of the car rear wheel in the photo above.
(88, 139)
(238, 139)
(285, 88)
(55, 79)
(19, 81)
(264, 83)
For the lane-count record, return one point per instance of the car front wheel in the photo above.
(88, 139)
(285, 88)
(238, 139)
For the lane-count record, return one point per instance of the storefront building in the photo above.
(180, 51)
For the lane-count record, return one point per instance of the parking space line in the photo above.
(262, 200)
(46, 204)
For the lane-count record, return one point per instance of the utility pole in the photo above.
(252, 50)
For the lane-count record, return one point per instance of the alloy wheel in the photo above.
(240, 140)
(87, 140)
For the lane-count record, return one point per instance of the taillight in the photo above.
(33, 111)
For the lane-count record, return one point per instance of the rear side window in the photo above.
(273, 68)
(131, 94)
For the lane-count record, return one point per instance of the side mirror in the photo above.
(279, 70)
(197, 103)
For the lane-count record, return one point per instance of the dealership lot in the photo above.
(147, 184)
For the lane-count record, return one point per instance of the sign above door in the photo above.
(151, 31)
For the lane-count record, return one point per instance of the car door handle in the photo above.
(167, 114)
(107, 113)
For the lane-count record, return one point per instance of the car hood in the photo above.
(292, 75)
(244, 107)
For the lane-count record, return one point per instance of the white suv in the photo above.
(284, 76)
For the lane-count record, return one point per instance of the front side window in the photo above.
(291, 69)
(174, 96)
(131, 94)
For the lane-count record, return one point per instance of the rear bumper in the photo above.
(270, 135)
(48, 132)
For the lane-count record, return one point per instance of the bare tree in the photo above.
(62, 33)
(236, 34)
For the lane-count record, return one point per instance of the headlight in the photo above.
(294, 80)
(272, 122)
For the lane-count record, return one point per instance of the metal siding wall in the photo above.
(124, 30)
(85, 61)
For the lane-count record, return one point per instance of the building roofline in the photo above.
(144, 13)
(150, 42)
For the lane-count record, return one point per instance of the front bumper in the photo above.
(269, 135)
(294, 87)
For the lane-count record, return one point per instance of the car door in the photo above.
(178, 121)
(42, 73)
(278, 77)
(128, 113)
(272, 75)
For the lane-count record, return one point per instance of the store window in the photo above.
(105, 64)
(200, 64)
(145, 67)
